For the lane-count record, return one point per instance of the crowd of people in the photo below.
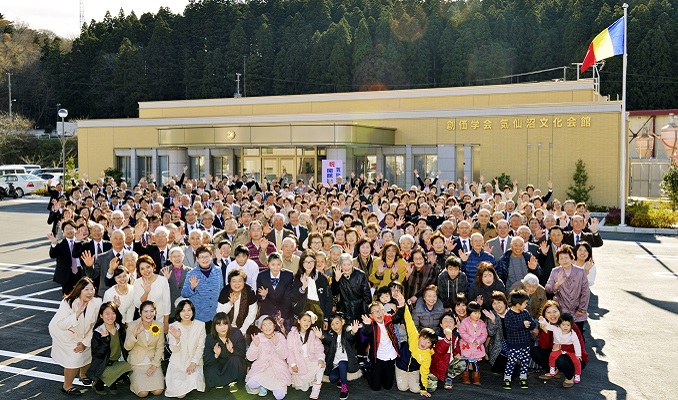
(223, 282)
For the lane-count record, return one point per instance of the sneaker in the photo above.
(523, 383)
(113, 388)
(507, 385)
(577, 378)
(339, 384)
(344, 392)
(262, 391)
(99, 388)
(552, 371)
(448, 383)
(233, 387)
(315, 390)
(250, 390)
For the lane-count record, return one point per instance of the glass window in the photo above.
(366, 165)
(220, 166)
(163, 169)
(250, 152)
(251, 166)
(394, 168)
(124, 165)
(306, 168)
(196, 167)
(144, 167)
(426, 165)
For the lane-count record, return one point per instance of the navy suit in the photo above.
(279, 298)
(303, 234)
(63, 274)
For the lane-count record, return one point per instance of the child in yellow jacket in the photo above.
(420, 345)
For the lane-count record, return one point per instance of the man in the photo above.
(259, 246)
(100, 269)
(500, 245)
(232, 205)
(192, 221)
(530, 247)
(67, 271)
(117, 220)
(290, 260)
(463, 240)
(577, 233)
(300, 231)
(96, 246)
(427, 183)
(194, 241)
(159, 251)
(515, 264)
(278, 233)
(231, 232)
(207, 220)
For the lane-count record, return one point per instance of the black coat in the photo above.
(324, 295)
(229, 367)
(354, 294)
(279, 298)
(62, 252)
(101, 352)
(330, 342)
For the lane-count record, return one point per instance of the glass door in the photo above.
(286, 170)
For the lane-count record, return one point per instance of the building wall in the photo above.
(533, 132)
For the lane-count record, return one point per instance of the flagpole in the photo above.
(622, 184)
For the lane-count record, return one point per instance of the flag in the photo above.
(608, 43)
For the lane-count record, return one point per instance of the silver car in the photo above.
(23, 183)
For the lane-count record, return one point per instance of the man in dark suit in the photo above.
(577, 233)
(274, 290)
(502, 243)
(278, 233)
(530, 246)
(54, 193)
(99, 269)
(96, 246)
(159, 251)
(68, 270)
(300, 231)
(223, 255)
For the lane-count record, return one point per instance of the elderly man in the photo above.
(278, 233)
(577, 233)
(300, 231)
(471, 259)
(289, 259)
(207, 221)
(100, 269)
(525, 233)
(235, 235)
(500, 244)
(159, 251)
(194, 241)
(514, 265)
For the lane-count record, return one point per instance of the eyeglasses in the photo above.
(309, 262)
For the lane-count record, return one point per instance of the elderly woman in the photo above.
(428, 310)
(238, 301)
(570, 286)
(389, 266)
(537, 293)
(496, 331)
(420, 275)
(175, 272)
(540, 353)
(406, 245)
(351, 285)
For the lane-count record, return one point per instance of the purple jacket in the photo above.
(574, 294)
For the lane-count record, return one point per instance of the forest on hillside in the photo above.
(318, 46)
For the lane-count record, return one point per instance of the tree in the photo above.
(669, 185)
(580, 191)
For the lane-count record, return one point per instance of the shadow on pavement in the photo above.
(41, 240)
(660, 262)
(670, 306)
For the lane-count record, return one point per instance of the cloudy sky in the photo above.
(63, 17)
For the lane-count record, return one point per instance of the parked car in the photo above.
(41, 171)
(23, 183)
(18, 169)
(54, 176)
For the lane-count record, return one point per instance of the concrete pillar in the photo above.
(154, 165)
(133, 166)
(409, 166)
(208, 162)
(468, 162)
(178, 157)
(380, 161)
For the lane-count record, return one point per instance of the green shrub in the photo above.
(669, 185)
(645, 215)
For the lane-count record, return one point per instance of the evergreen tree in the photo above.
(580, 191)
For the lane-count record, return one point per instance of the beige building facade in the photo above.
(534, 132)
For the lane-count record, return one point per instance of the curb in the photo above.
(631, 229)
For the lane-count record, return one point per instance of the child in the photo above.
(243, 262)
(420, 345)
(460, 303)
(518, 324)
(379, 329)
(269, 370)
(446, 362)
(450, 282)
(564, 335)
(340, 355)
(383, 296)
(473, 333)
(306, 356)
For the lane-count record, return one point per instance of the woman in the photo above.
(145, 343)
(406, 245)
(420, 274)
(540, 353)
(364, 260)
(71, 331)
(122, 294)
(224, 354)
(425, 239)
(268, 352)
(311, 290)
(537, 293)
(428, 310)
(570, 287)
(582, 253)
(203, 285)
(350, 284)
(108, 351)
(484, 284)
(152, 287)
(496, 331)
(186, 342)
(389, 266)
(175, 272)
(238, 301)
(439, 253)
(351, 247)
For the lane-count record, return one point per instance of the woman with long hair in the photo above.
(224, 354)
(145, 342)
(108, 350)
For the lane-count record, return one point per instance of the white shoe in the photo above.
(315, 391)
(249, 390)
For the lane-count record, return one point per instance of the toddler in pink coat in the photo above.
(473, 332)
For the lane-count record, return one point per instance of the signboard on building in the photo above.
(332, 169)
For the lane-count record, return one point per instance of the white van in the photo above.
(18, 169)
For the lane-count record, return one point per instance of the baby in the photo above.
(564, 335)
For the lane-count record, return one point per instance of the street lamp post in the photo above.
(63, 113)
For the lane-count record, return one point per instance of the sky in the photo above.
(63, 17)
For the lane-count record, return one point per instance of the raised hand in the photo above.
(542, 320)
(217, 350)
(366, 320)
(462, 255)
(416, 172)
(317, 332)
(194, 282)
(451, 245)
(544, 247)
(399, 298)
(232, 298)
(337, 272)
(87, 258)
(229, 346)
(432, 257)
(52, 238)
(138, 329)
(532, 264)
(167, 271)
(355, 325)
(255, 339)
(175, 332)
(304, 281)
(594, 225)
(489, 315)
(263, 292)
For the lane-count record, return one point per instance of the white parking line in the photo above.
(24, 356)
(32, 373)
(29, 307)
(12, 298)
(25, 270)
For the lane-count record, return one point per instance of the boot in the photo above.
(475, 375)
(465, 378)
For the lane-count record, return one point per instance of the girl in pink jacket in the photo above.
(473, 333)
(268, 352)
(306, 354)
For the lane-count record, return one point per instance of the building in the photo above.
(534, 132)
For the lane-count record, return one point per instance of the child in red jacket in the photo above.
(446, 363)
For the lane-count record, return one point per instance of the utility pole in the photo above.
(9, 84)
(82, 13)
(244, 76)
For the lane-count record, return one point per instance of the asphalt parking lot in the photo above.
(631, 337)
